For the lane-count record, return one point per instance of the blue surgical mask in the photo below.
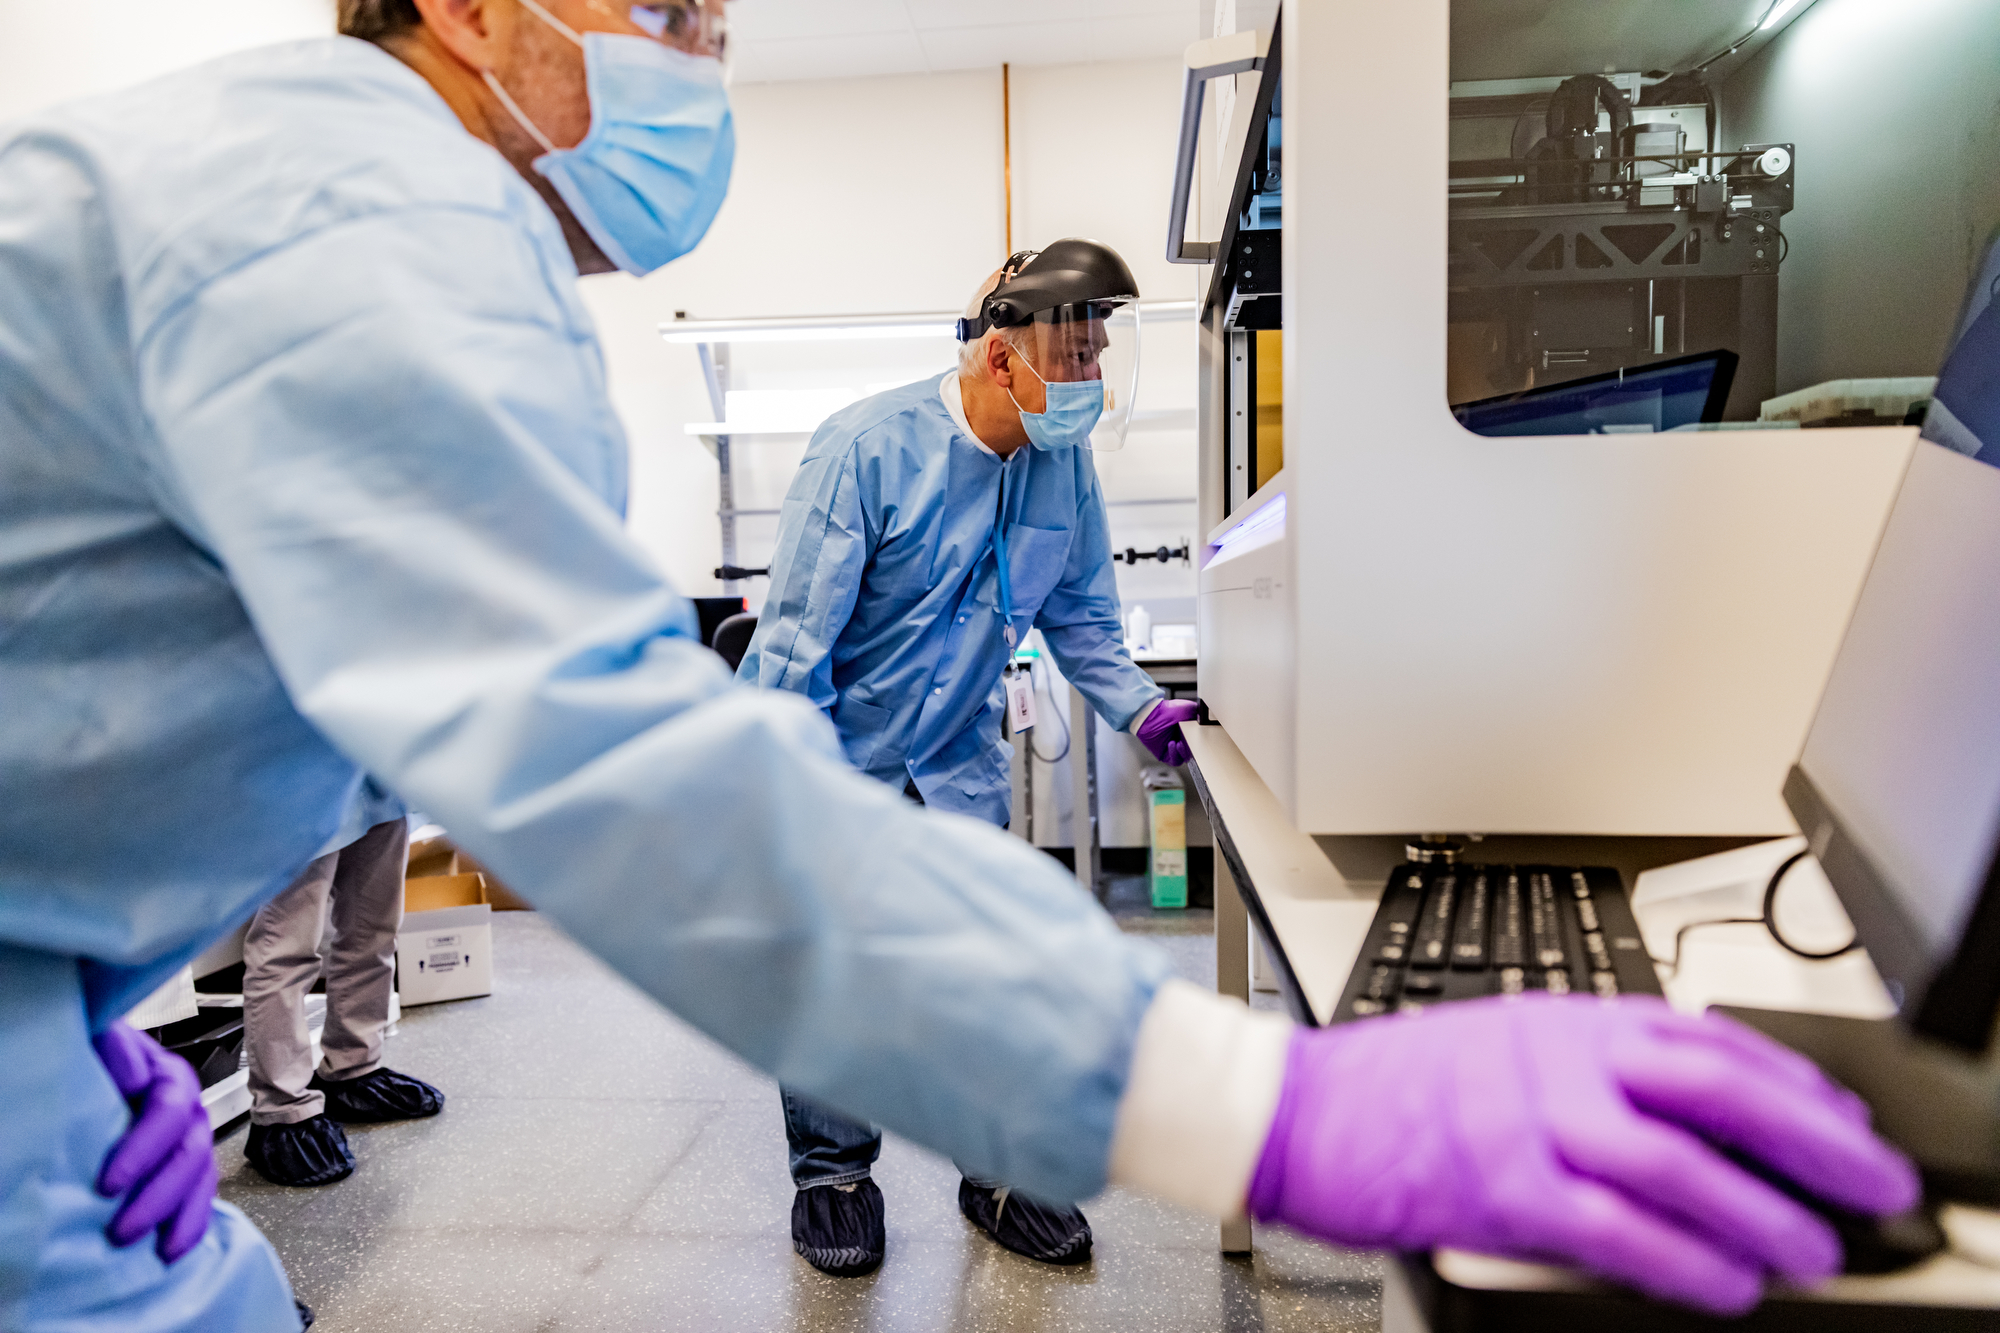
(1069, 415)
(648, 179)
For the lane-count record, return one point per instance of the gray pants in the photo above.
(362, 886)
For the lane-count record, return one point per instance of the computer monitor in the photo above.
(1658, 396)
(1965, 414)
(1898, 787)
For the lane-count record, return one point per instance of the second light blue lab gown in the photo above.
(308, 469)
(886, 603)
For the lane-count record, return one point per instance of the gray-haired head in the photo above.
(376, 20)
(972, 355)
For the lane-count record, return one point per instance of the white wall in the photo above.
(53, 52)
(855, 196)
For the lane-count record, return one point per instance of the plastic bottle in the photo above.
(1139, 627)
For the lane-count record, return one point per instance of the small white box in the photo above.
(445, 954)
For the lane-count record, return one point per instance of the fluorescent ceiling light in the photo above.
(737, 428)
(787, 331)
(839, 328)
(1782, 8)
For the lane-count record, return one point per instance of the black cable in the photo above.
(1771, 918)
(1768, 920)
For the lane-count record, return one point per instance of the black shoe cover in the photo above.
(377, 1098)
(1046, 1234)
(312, 1152)
(305, 1314)
(838, 1228)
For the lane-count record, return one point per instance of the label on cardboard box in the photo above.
(441, 953)
(445, 954)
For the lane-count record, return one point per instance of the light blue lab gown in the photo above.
(886, 606)
(307, 469)
(372, 805)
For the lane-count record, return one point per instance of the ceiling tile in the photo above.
(1142, 37)
(780, 40)
(754, 22)
(928, 14)
(830, 57)
(1012, 43)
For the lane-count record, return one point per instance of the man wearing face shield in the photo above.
(928, 529)
(308, 472)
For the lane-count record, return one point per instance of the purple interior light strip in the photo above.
(1262, 526)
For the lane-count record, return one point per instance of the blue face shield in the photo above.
(1069, 415)
(648, 179)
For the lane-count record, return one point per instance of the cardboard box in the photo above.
(445, 949)
(432, 858)
(437, 858)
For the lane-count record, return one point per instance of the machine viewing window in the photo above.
(1654, 195)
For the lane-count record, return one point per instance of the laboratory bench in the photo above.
(1174, 674)
(1311, 901)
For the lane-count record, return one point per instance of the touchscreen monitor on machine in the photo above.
(1898, 793)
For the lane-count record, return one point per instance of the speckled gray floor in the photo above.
(601, 1167)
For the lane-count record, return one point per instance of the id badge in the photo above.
(1020, 700)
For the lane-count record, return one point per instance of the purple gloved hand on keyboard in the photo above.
(1574, 1131)
(1161, 731)
(164, 1166)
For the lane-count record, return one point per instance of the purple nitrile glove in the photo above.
(164, 1167)
(1575, 1131)
(1161, 731)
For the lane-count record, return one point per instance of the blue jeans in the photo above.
(829, 1149)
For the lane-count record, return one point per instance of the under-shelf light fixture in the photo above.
(836, 328)
(832, 328)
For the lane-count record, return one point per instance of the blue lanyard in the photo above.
(1000, 552)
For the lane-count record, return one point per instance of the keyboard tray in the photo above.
(1461, 932)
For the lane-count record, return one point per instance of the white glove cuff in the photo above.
(1204, 1086)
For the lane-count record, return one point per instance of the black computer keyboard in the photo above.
(1458, 932)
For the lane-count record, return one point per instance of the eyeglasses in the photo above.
(698, 27)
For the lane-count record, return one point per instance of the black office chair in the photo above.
(713, 611)
(732, 638)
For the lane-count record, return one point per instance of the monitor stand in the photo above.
(1940, 1107)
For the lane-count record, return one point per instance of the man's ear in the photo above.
(999, 365)
(471, 30)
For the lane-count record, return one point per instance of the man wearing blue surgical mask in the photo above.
(274, 331)
(930, 528)
(308, 473)
(630, 147)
